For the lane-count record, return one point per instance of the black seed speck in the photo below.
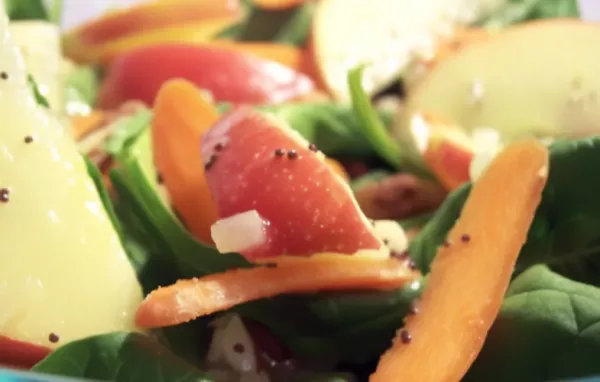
(159, 179)
(279, 152)
(414, 307)
(465, 238)
(313, 147)
(405, 337)
(4, 195)
(386, 241)
(292, 154)
(219, 146)
(28, 139)
(4, 75)
(239, 348)
(54, 338)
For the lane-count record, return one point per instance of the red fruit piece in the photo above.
(265, 166)
(19, 354)
(230, 76)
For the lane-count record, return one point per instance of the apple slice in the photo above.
(63, 272)
(384, 34)
(537, 79)
(256, 162)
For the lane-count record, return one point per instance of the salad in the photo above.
(302, 191)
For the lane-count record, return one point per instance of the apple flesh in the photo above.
(64, 273)
(538, 79)
(386, 35)
(83, 43)
(228, 75)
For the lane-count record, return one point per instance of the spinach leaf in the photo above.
(566, 226)
(81, 85)
(39, 97)
(548, 329)
(128, 130)
(424, 246)
(289, 26)
(120, 357)
(333, 127)
(517, 11)
(96, 177)
(26, 10)
(372, 127)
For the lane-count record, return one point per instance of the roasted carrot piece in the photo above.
(470, 276)
(181, 116)
(277, 4)
(190, 299)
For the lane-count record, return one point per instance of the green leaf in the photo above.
(566, 226)
(120, 357)
(289, 26)
(518, 11)
(372, 127)
(39, 97)
(81, 85)
(548, 329)
(96, 176)
(128, 130)
(333, 127)
(26, 10)
(424, 246)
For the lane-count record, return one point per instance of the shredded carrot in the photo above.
(181, 115)
(277, 4)
(469, 277)
(190, 299)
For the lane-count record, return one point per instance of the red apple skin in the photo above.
(308, 208)
(230, 76)
(20, 355)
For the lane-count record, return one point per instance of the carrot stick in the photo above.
(470, 276)
(277, 5)
(181, 116)
(190, 299)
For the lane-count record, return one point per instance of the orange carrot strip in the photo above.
(469, 277)
(190, 299)
(181, 116)
(277, 4)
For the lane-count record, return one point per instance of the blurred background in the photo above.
(81, 10)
